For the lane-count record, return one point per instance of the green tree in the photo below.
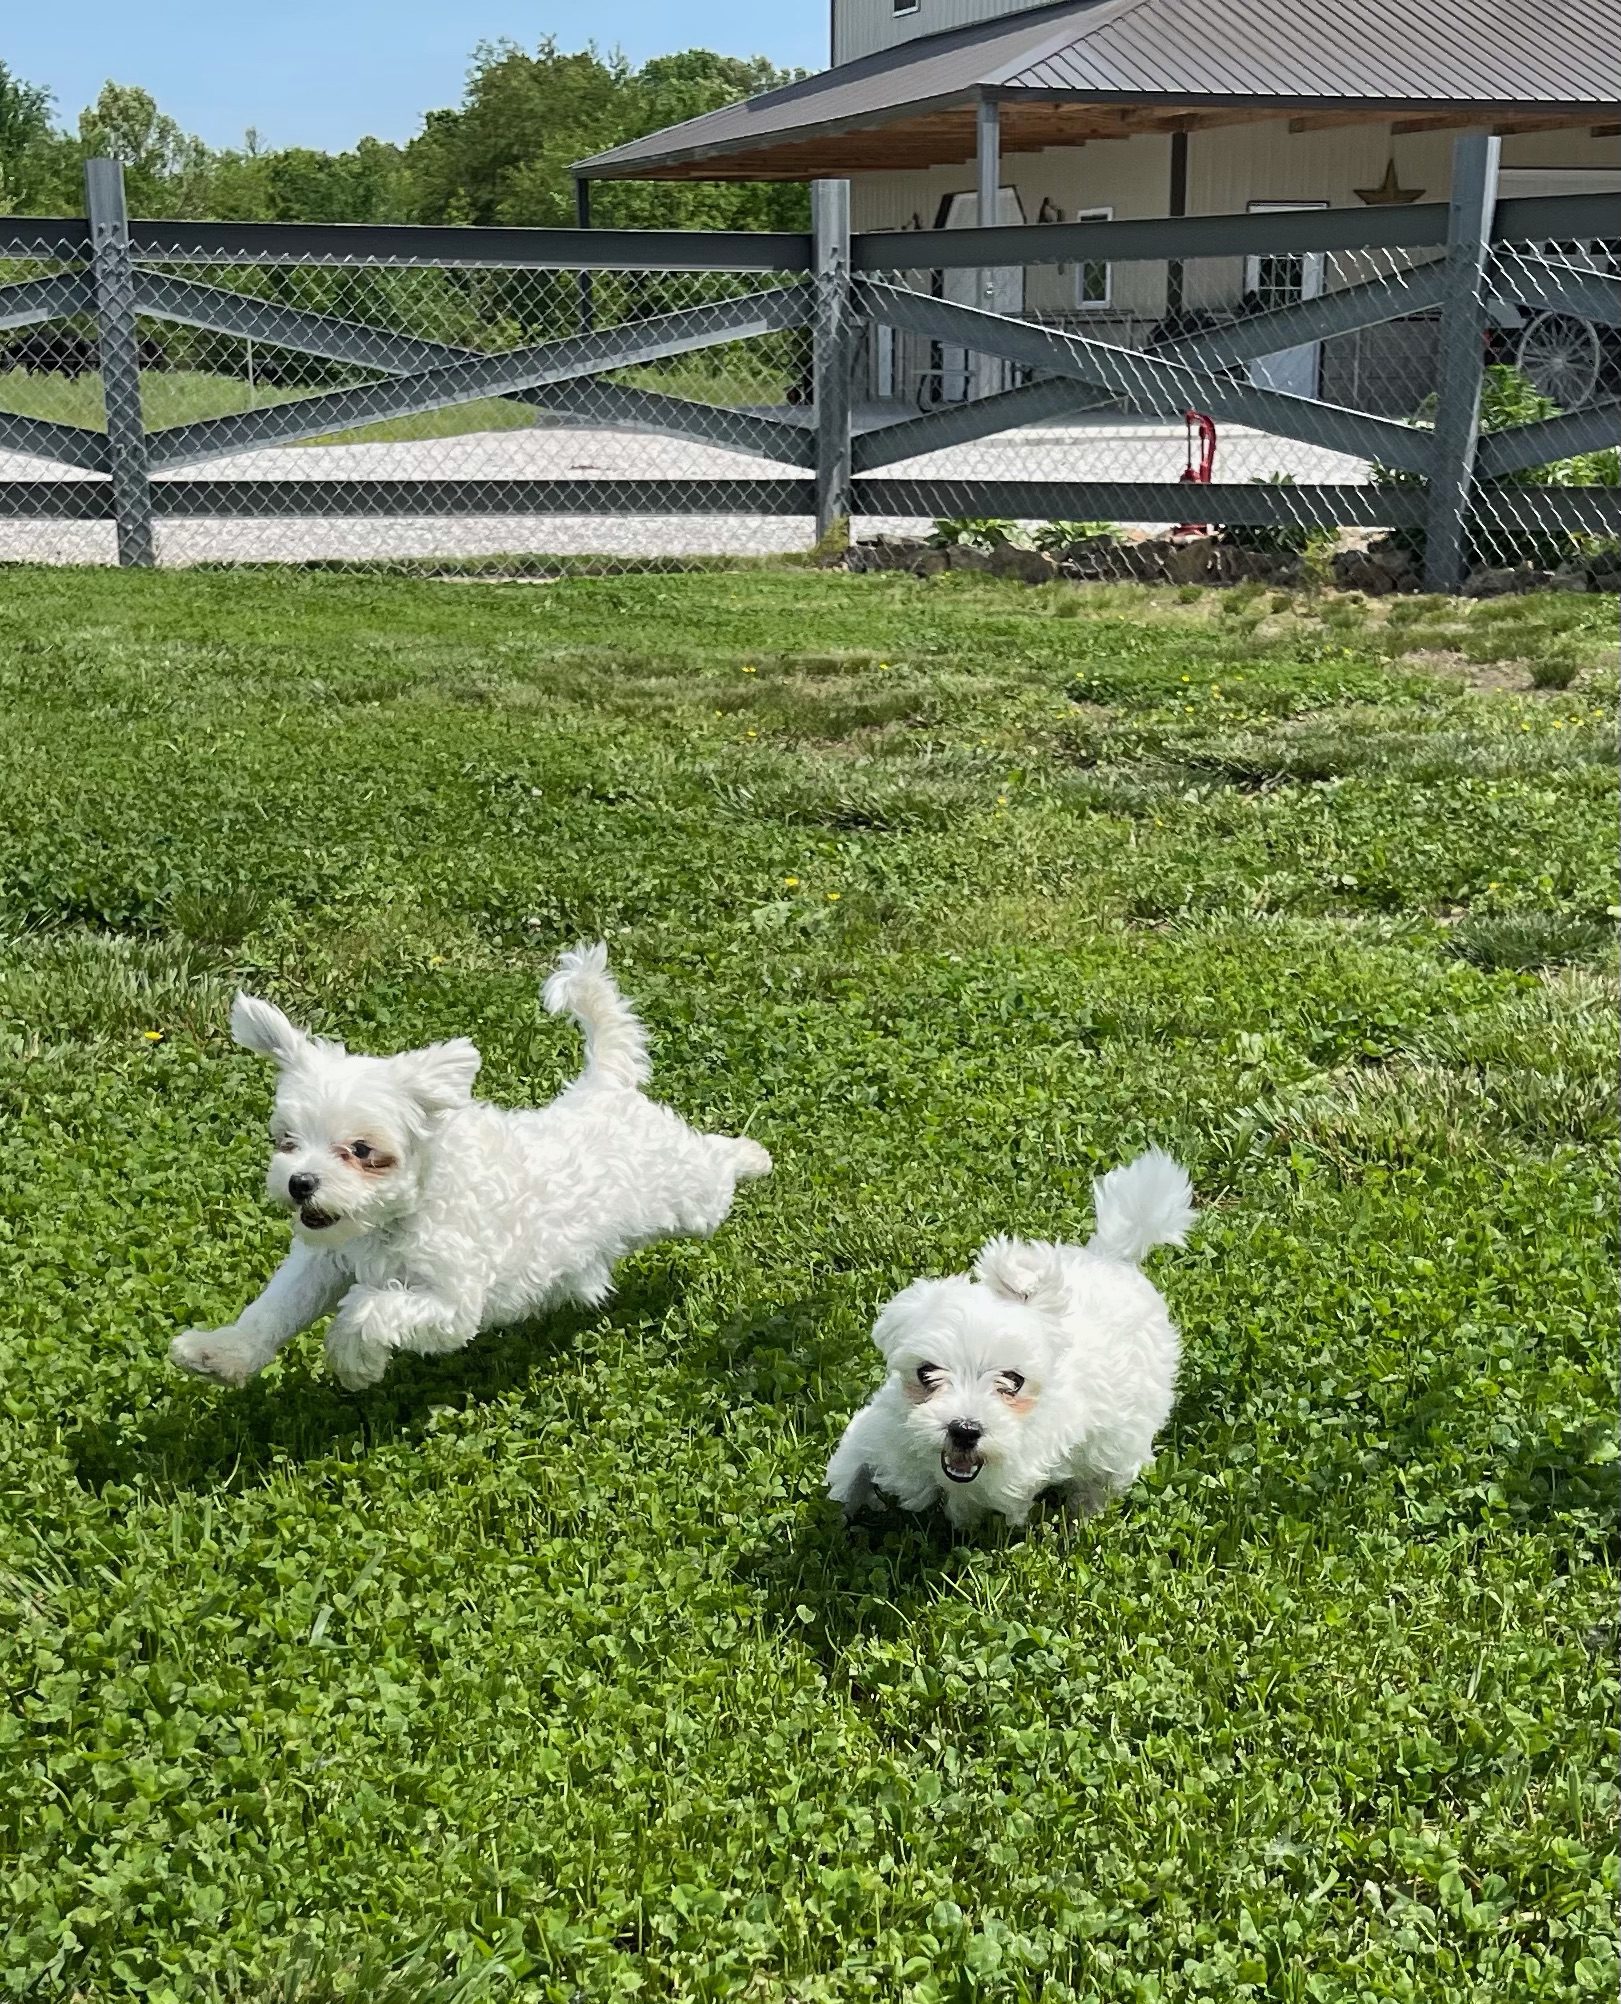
(27, 142)
(166, 169)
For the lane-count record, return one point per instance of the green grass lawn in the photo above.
(954, 894)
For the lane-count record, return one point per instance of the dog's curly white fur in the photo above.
(423, 1215)
(1048, 1368)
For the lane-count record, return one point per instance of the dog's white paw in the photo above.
(224, 1356)
(354, 1360)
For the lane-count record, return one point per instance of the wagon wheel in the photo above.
(1559, 357)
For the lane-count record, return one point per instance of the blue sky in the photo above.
(323, 72)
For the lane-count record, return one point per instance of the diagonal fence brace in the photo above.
(31, 300)
(1148, 380)
(1590, 429)
(1341, 312)
(568, 360)
(224, 311)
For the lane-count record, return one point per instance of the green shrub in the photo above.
(972, 532)
(1056, 537)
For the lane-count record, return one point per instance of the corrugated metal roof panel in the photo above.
(1507, 51)
(1562, 54)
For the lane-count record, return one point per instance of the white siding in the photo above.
(861, 26)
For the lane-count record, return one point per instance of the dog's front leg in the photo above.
(374, 1322)
(299, 1292)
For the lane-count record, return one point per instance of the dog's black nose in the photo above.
(303, 1186)
(965, 1433)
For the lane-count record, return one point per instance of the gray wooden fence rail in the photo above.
(830, 283)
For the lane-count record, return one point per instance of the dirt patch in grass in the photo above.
(1498, 677)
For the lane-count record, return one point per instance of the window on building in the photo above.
(1094, 276)
(906, 6)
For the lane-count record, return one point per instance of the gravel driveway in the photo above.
(1117, 450)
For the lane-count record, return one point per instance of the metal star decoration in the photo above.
(1390, 194)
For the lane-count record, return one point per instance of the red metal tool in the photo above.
(1200, 474)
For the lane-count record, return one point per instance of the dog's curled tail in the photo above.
(1142, 1204)
(615, 1043)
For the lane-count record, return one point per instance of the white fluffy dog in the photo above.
(1050, 1367)
(423, 1215)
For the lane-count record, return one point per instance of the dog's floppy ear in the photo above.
(902, 1316)
(260, 1026)
(439, 1076)
(1026, 1270)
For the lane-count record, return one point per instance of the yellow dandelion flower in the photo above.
(834, 896)
(751, 671)
(791, 883)
(153, 1036)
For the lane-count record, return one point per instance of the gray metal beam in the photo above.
(239, 500)
(43, 438)
(64, 239)
(1142, 501)
(164, 296)
(1155, 238)
(1340, 312)
(1582, 511)
(1147, 380)
(833, 353)
(623, 409)
(1462, 356)
(981, 417)
(1530, 218)
(129, 460)
(170, 298)
(1554, 285)
(772, 495)
(1549, 439)
(36, 299)
(1553, 218)
(1594, 510)
(416, 243)
(56, 500)
(461, 382)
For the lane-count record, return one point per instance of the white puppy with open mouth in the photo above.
(423, 1215)
(1048, 1368)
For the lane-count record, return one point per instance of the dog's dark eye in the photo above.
(285, 1144)
(362, 1151)
(1012, 1383)
(927, 1374)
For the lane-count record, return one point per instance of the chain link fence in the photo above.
(274, 392)
(1374, 322)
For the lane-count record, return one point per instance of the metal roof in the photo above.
(1557, 58)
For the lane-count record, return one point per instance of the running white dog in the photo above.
(424, 1216)
(1050, 1367)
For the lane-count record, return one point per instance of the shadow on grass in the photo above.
(210, 1438)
